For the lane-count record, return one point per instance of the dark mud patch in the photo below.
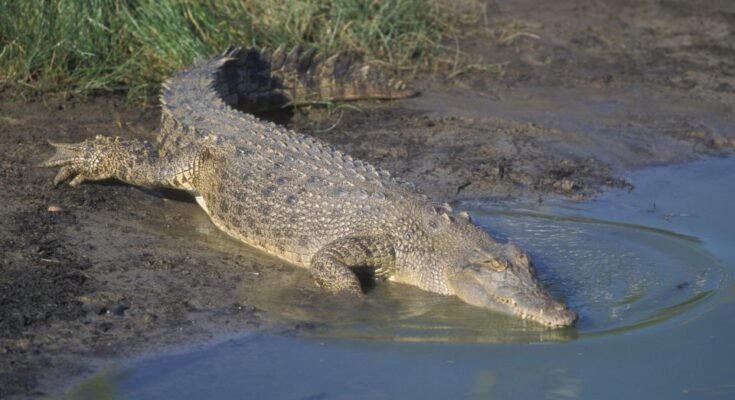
(454, 157)
(588, 93)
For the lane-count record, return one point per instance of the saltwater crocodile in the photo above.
(300, 199)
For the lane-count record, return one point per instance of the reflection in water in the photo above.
(552, 383)
(484, 385)
(560, 384)
(727, 389)
(103, 386)
(390, 312)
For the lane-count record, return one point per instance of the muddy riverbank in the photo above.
(586, 94)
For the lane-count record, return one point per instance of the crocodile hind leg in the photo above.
(330, 266)
(132, 161)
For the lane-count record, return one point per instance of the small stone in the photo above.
(55, 208)
(23, 343)
(194, 304)
(119, 309)
(235, 308)
(568, 185)
(93, 308)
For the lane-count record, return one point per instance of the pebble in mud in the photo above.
(149, 317)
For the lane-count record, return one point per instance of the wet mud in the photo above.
(587, 93)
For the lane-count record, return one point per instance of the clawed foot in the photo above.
(352, 297)
(80, 161)
(352, 292)
(340, 282)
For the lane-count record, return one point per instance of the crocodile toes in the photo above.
(64, 174)
(66, 154)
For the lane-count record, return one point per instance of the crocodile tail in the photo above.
(203, 96)
(257, 80)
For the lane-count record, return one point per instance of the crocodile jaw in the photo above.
(513, 291)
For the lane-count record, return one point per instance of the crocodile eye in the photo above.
(496, 264)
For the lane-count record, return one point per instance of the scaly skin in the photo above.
(300, 199)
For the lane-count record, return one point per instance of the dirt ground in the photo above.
(587, 91)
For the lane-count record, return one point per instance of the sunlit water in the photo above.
(648, 271)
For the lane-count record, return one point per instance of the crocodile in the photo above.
(302, 200)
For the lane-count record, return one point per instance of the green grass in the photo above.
(77, 47)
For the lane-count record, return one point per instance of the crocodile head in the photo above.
(485, 273)
(499, 277)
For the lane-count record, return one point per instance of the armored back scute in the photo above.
(253, 81)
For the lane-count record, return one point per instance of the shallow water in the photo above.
(648, 271)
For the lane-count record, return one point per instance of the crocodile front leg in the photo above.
(132, 161)
(330, 266)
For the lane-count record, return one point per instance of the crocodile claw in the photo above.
(68, 156)
(65, 173)
(66, 153)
